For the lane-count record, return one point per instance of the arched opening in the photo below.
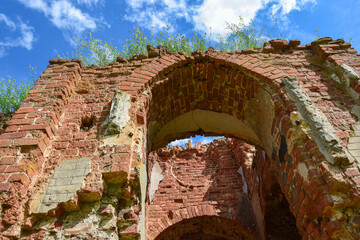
(194, 141)
(214, 99)
(210, 99)
(207, 228)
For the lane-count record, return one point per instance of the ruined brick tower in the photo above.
(86, 155)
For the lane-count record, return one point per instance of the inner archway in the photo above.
(209, 98)
(212, 99)
(207, 228)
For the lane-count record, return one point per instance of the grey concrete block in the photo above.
(63, 181)
(77, 180)
(356, 127)
(64, 174)
(52, 182)
(353, 146)
(45, 208)
(355, 153)
(62, 189)
(59, 198)
(68, 166)
(354, 139)
(66, 181)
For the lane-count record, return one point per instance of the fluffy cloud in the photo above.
(64, 15)
(89, 2)
(213, 14)
(19, 35)
(209, 15)
(157, 13)
(286, 6)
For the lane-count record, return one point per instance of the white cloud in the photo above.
(213, 14)
(89, 2)
(7, 21)
(286, 6)
(157, 13)
(209, 15)
(19, 35)
(138, 3)
(64, 15)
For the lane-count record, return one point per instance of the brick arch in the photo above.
(176, 216)
(206, 227)
(160, 81)
(211, 86)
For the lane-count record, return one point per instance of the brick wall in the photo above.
(196, 182)
(313, 159)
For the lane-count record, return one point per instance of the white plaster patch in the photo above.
(241, 172)
(119, 114)
(155, 179)
(143, 182)
(322, 130)
(303, 170)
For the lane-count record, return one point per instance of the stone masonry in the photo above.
(68, 178)
(86, 156)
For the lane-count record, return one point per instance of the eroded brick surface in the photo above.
(174, 95)
(199, 182)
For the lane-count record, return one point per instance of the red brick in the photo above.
(18, 177)
(19, 116)
(2, 169)
(126, 88)
(353, 172)
(8, 151)
(26, 110)
(357, 88)
(334, 226)
(21, 121)
(44, 127)
(84, 143)
(14, 168)
(357, 180)
(26, 142)
(13, 135)
(8, 160)
(4, 177)
(5, 143)
(12, 129)
(26, 105)
(4, 186)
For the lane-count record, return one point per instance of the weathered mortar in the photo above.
(115, 115)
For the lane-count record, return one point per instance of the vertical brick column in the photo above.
(23, 145)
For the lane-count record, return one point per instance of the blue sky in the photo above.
(197, 138)
(34, 31)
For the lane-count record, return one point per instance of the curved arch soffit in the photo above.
(213, 227)
(255, 128)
